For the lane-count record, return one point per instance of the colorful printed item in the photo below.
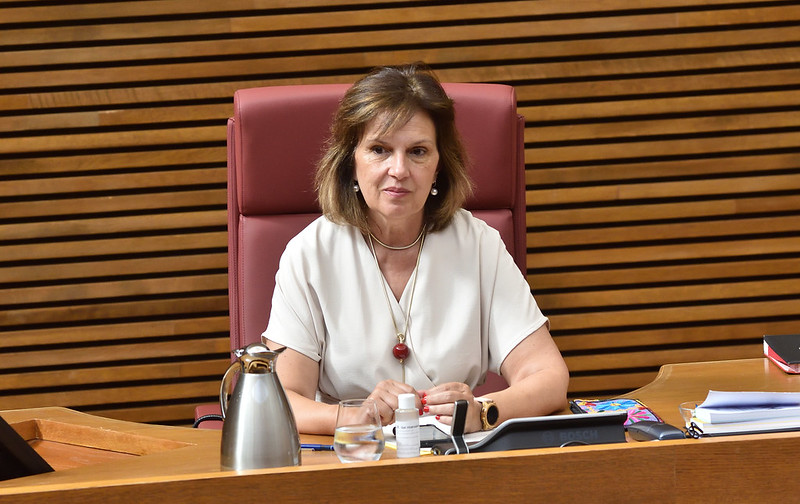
(636, 410)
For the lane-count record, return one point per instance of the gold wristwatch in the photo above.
(489, 413)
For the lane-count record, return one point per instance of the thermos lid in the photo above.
(256, 358)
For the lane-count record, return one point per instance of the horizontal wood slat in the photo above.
(661, 211)
(102, 161)
(105, 268)
(181, 328)
(156, 412)
(117, 353)
(670, 252)
(103, 311)
(707, 229)
(100, 290)
(730, 164)
(671, 294)
(117, 118)
(664, 190)
(112, 246)
(670, 336)
(104, 183)
(612, 318)
(112, 140)
(118, 203)
(110, 395)
(667, 147)
(627, 380)
(662, 153)
(650, 359)
(106, 10)
(104, 226)
(662, 274)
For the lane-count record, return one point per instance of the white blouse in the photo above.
(472, 306)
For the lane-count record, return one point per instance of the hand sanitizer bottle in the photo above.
(406, 418)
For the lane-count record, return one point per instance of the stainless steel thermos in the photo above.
(259, 429)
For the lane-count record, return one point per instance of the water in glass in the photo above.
(358, 435)
(356, 443)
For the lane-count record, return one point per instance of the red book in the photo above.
(784, 351)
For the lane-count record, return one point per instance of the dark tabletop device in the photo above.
(647, 430)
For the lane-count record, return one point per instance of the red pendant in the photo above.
(400, 352)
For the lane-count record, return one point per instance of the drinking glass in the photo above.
(358, 435)
(687, 411)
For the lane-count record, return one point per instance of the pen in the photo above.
(317, 447)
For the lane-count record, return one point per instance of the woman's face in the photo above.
(395, 170)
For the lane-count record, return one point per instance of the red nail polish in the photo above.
(420, 412)
(438, 417)
(426, 409)
(424, 401)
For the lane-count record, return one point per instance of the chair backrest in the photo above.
(274, 140)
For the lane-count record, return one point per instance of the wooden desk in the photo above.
(181, 465)
(677, 383)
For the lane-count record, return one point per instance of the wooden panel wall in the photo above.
(663, 172)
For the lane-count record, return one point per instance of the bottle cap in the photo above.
(406, 401)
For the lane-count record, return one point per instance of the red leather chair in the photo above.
(274, 140)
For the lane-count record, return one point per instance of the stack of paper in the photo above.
(743, 412)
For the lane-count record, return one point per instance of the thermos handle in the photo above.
(225, 386)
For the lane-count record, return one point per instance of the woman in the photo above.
(396, 289)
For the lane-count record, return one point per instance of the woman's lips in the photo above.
(396, 191)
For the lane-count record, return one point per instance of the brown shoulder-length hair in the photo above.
(398, 92)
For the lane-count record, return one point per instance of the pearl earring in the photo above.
(434, 191)
(355, 186)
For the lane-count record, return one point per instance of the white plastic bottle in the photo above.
(406, 418)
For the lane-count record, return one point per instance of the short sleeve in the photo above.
(295, 309)
(512, 311)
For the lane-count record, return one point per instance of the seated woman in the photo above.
(397, 289)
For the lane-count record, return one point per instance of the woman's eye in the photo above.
(377, 149)
(418, 151)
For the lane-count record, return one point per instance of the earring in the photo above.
(434, 191)
(355, 186)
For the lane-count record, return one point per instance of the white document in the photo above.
(721, 407)
(717, 399)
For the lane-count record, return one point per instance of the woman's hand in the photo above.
(385, 396)
(440, 401)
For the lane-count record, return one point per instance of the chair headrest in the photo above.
(287, 127)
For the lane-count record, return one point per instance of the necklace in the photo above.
(400, 351)
(404, 247)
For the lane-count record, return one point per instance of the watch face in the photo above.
(492, 414)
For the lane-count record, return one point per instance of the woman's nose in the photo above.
(398, 167)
